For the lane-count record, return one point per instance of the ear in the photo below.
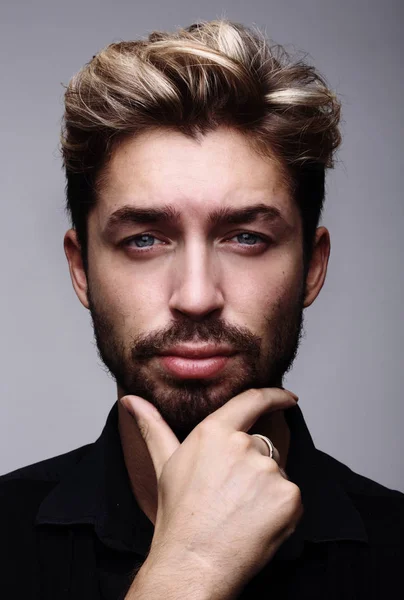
(318, 265)
(77, 273)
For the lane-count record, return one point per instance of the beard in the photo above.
(185, 403)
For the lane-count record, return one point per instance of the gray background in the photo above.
(349, 374)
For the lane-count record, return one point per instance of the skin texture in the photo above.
(197, 283)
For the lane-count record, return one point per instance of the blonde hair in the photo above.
(194, 80)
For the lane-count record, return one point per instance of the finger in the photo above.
(159, 438)
(241, 412)
(263, 449)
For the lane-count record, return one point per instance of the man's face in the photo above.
(193, 279)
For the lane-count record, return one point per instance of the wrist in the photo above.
(180, 573)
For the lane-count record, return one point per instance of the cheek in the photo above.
(264, 293)
(270, 308)
(140, 303)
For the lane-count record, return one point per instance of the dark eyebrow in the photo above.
(130, 214)
(247, 214)
(167, 214)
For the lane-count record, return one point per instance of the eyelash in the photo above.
(146, 249)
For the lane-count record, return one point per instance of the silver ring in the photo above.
(267, 441)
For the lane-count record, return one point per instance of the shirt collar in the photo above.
(97, 491)
(329, 513)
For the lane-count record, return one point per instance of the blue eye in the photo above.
(248, 238)
(145, 240)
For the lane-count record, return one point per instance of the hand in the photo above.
(220, 497)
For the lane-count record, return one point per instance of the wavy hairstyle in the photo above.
(195, 80)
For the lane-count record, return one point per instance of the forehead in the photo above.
(196, 177)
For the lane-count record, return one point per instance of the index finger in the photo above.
(241, 412)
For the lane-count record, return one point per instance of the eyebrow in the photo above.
(167, 214)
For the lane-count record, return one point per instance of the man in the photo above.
(195, 169)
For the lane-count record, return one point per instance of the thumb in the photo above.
(159, 438)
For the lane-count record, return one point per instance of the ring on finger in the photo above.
(268, 443)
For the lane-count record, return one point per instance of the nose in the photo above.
(196, 287)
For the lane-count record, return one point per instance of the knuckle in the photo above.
(272, 465)
(156, 415)
(255, 394)
(144, 429)
(267, 465)
(207, 428)
(241, 442)
(294, 493)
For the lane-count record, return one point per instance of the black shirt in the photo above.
(70, 528)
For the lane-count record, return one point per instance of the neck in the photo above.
(140, 468)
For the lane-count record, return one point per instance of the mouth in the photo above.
(196, 362)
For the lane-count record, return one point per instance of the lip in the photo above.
(192, 361)
(194, 368)
(192, 351)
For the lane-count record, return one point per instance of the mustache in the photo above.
(212, 330)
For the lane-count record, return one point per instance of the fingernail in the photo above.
(128, 406)
(138, 406)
